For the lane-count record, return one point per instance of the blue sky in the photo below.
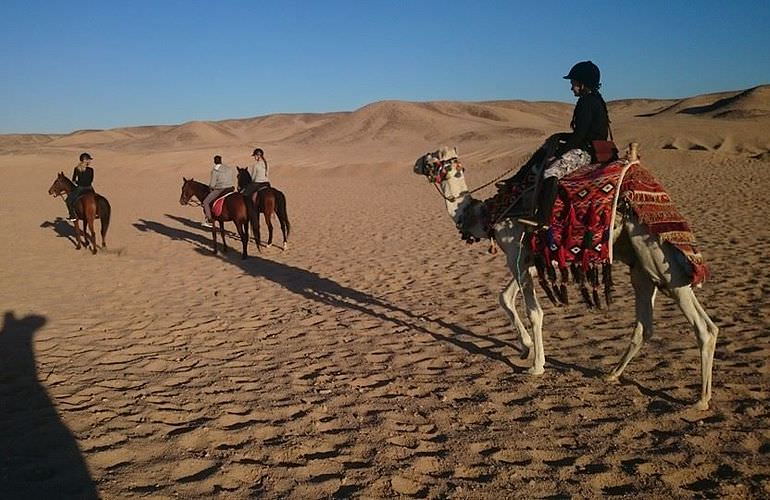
(70, 65)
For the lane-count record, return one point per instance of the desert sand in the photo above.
(371, 358)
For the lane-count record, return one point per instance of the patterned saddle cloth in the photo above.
(579, 236)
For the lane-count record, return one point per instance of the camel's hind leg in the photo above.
(508, 303)
(706, 332)
(644, 294)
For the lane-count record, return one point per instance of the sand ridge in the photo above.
(370, 359)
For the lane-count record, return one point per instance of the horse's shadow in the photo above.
(62, 228)
(326, 291)
(39, 457)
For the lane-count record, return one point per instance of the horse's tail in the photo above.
(280, 202)
(104, 210)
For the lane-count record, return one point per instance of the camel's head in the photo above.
(439, 165)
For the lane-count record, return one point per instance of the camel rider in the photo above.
(83, 178)
(221, 182)
(590, 122)
(258, 173)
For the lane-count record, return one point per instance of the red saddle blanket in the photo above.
(216, 205)
(580, 230)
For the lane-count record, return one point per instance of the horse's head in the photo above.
(59, 186)
(439, 165)
(244, 177)
(187, 191)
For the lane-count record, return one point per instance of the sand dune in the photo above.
(370, 359)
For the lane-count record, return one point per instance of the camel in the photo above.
(654, 266)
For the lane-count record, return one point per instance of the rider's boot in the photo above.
(545, 202)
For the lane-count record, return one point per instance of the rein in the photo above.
(440, 173)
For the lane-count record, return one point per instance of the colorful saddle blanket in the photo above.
(216, 205)
(579, 237)
(584, 212)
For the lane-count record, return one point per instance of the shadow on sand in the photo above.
(62, 228)
(326, 291)
(39, 457)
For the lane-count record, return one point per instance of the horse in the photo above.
(267, 200)
(233, 209)
(88, 206)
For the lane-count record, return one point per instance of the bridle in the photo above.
(187, 197)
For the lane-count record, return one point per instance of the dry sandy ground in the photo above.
(371, 358)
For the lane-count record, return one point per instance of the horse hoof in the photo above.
(525, 352)
(611, 378)
(534, 370)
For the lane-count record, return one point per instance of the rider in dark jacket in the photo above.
(590, 122)
(83, 178)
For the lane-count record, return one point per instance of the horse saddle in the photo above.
(216, 205)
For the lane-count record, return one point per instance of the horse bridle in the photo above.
(190, 200)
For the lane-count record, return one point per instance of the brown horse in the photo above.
(268, 201)
(89, 206)
(233, 209)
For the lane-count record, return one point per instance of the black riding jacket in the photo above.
(83, 178)
(590, 122)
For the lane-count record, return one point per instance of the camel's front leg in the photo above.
(644, 294)
(706, 332)
(508, 303)
(535, 314)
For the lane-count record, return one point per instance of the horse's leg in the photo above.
(214, 235)
(644, 295)
(705, 331)
(242, 227)
(508, 303)
(78, 244)
(269, 209)
(93, 234)
(255, 221)
(222, 230)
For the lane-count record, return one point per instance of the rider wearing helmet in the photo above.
(258, 173)
(590, 122)
(83, 178)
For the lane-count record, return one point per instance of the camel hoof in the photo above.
(534, 370)
(701, 405)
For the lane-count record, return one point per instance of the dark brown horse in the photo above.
(268, 201)
(89, 206)
(233, 209)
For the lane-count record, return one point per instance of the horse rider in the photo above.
(590, 122)
(83, 178)
(258, 173)
(221, 182)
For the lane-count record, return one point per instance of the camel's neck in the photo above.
(459, 205)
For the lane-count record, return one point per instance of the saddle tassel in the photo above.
(607, 279)
(540, 265)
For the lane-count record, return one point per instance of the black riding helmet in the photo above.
(258, 151)
(586, 73)
(218, 159)
(85, 156)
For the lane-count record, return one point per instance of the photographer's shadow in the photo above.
(39, 456)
